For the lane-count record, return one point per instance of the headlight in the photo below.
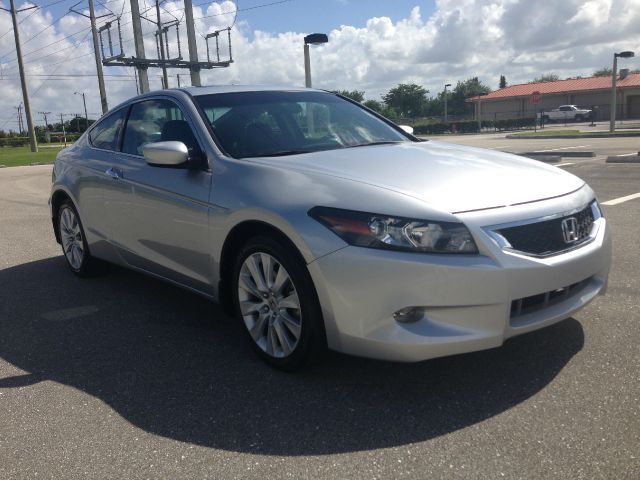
(395, 233)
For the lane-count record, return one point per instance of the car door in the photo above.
(161, 223)
(94, 179)
(565, 113)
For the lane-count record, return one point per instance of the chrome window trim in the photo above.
(180, 107)
(503, 243)
(99, 121)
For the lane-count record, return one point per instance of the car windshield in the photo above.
(278, 123)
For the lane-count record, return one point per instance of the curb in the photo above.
(556, 137)
(617, 159)
(542, 158)
(562, 154)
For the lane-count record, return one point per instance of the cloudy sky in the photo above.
(373, 45)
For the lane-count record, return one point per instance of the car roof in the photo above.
(212, 89)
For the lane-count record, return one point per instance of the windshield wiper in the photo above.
(280, 153)
(384, 142)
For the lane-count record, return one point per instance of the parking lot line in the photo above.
(561, 148)
(616, 201)
(565, 164)
(627, 154)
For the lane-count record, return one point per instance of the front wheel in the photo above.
(275, 298)
(579, 118)
(74, 243)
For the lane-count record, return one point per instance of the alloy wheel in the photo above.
(71, 236)
(269, 305)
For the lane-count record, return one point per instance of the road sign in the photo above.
(535, 97)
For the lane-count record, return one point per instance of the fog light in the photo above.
(409, 314)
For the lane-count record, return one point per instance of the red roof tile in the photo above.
(561, 86)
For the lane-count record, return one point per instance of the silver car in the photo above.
(321, 224)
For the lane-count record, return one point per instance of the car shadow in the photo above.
(173, 364)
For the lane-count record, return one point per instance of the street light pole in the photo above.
(445, 101)
(307, 67)
(614, 99)
(312, 39)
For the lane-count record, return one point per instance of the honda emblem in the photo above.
(570, 230)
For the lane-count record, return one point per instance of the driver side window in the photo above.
(156, 121)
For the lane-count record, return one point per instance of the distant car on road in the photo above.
(565, 113)
(320, 223)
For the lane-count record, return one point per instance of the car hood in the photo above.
(449, 177)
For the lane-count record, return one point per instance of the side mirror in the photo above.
(165, 154)
(407, 129)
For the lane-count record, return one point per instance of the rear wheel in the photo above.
(276, 301)
(74, 243)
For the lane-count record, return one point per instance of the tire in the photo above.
(279, 311)
(545, 119)
(579, 118)
(74, 242)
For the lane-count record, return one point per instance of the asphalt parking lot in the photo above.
(123, 376)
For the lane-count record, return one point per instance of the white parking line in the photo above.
(562, 148)
(565, 164)
(627, 154)
(616, 201)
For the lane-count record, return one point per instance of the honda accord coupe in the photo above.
(321, 224)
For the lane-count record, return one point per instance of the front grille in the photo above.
(547, 237)
(522, 306)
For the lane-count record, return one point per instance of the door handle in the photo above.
(114, 173)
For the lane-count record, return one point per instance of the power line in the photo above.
(38, 34)
(128, 22)
(56, 69)
(71, 75)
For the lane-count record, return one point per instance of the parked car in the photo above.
(322, 224)
(565, 113)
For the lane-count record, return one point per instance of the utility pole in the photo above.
(445, 101)
(165, 60)
(135, 74)
(96, 52)
(178, 77)
(20, 127)
(64, 134)
(160, 40)
(46, 131)
(139, 43)
(84, 101)
(23, 79)
(193, 48)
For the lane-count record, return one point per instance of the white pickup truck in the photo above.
(565, 113)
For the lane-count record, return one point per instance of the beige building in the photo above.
(515, 101)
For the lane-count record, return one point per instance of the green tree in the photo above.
(546, 77)
(390, 113)
(603, 72)
(407, 100)
(503, 82)
(355, 95)
(374, 105)
(457, 104)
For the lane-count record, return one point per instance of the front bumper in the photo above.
(468, 300)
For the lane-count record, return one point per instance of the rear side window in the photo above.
(156, 121)
(106, 133)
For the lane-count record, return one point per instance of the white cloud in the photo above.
(460, 39)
